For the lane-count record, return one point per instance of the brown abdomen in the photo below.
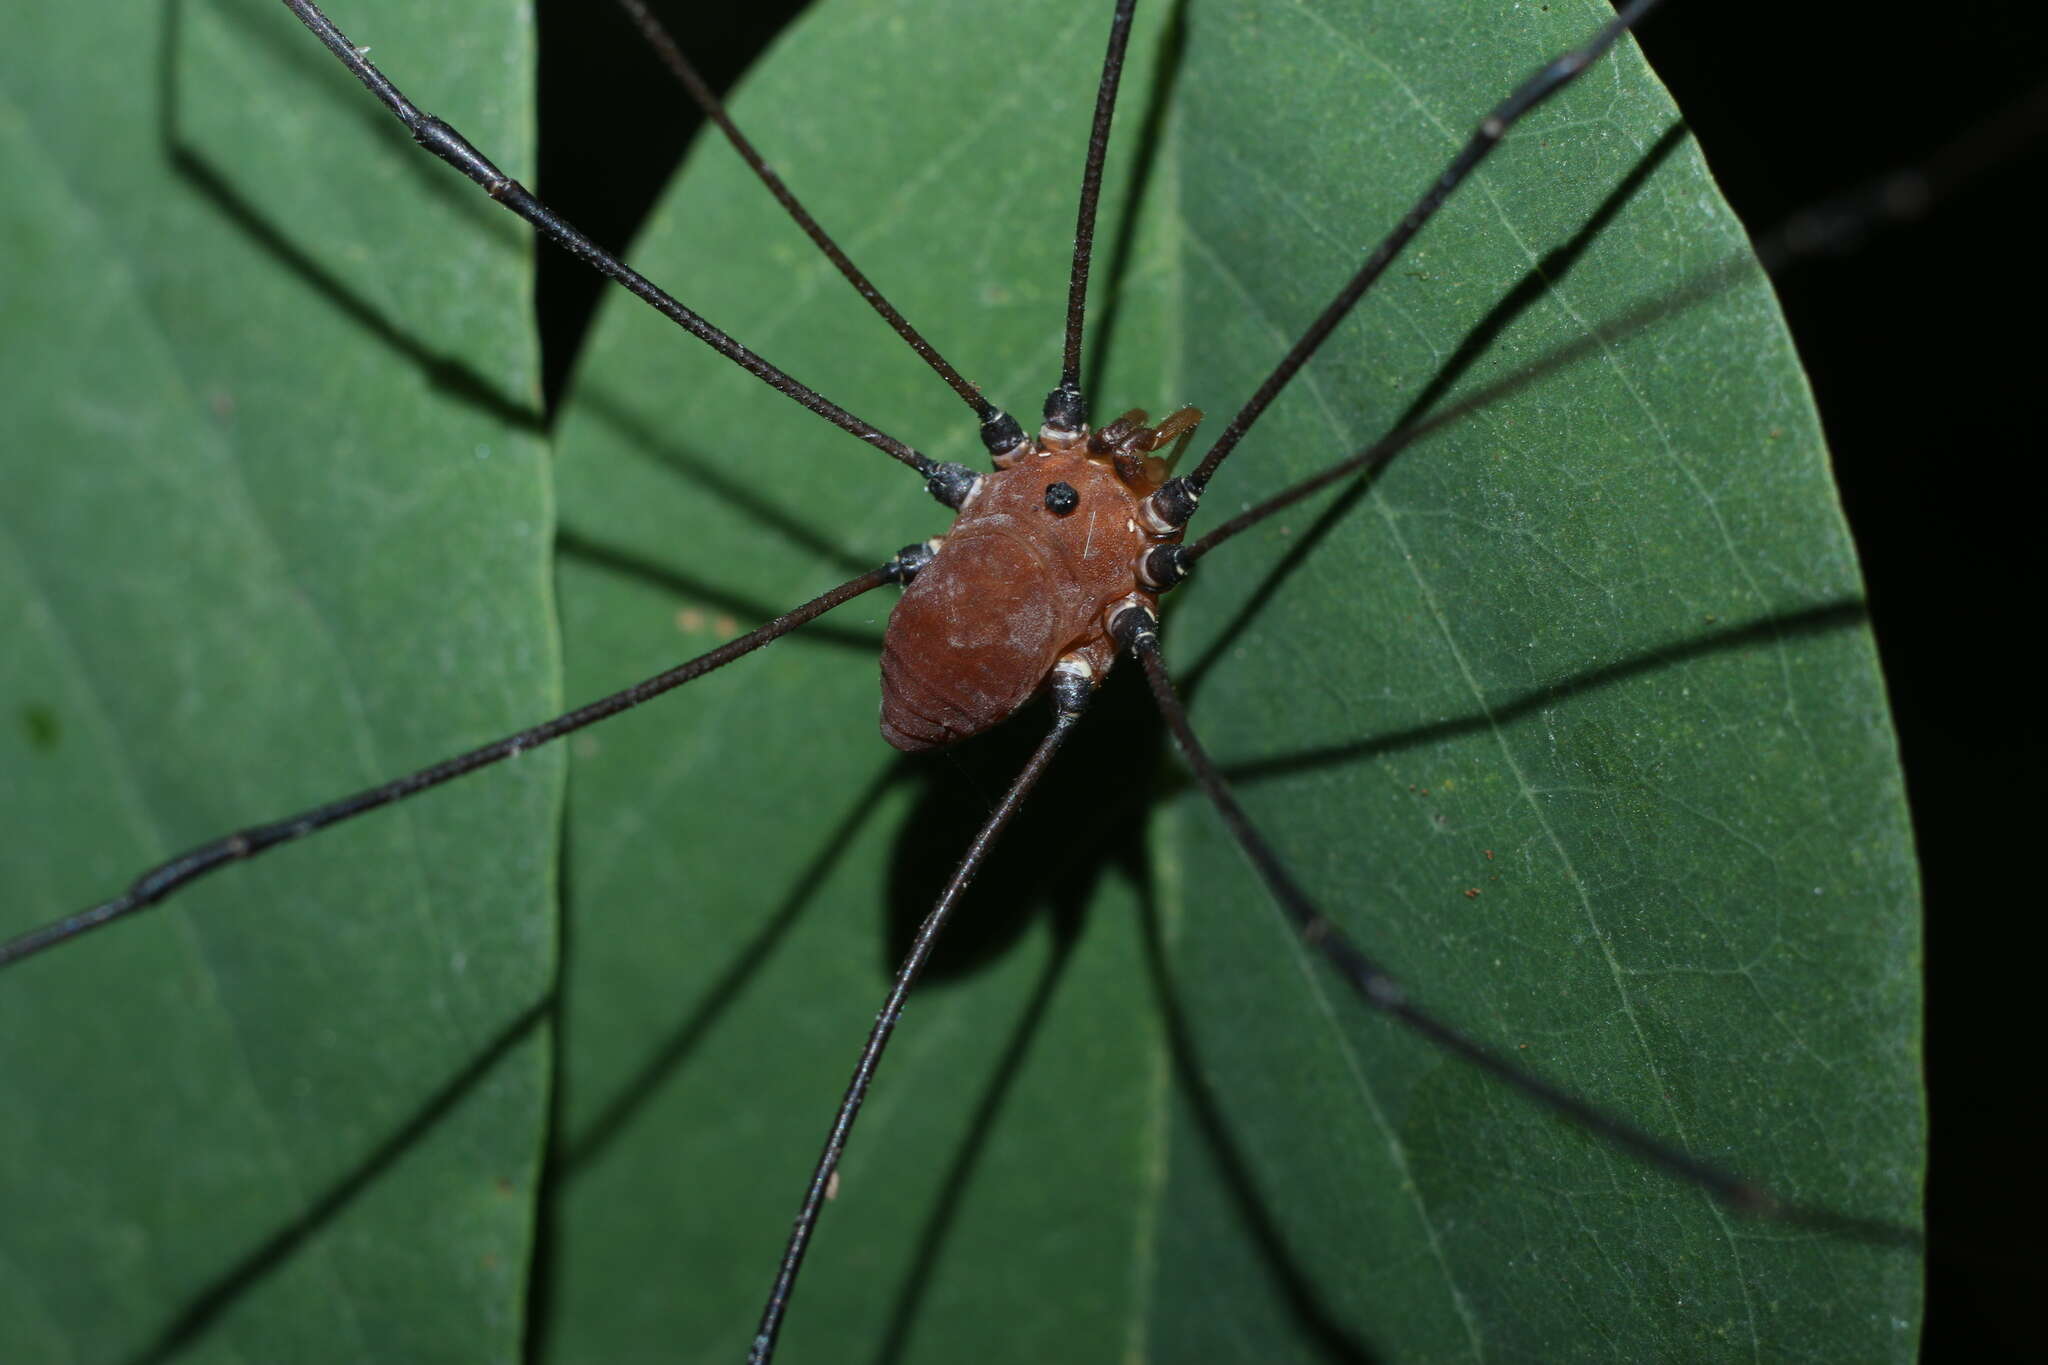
(1012, 589)
(967, 647)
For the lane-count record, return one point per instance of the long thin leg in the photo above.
(1070, 697)
(1066, 409)
(1553, 76)
(1824, 228)
(444, 142)
(161, 881)
(999, 430)
(1136, 629)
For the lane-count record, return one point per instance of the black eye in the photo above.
(1060, 498)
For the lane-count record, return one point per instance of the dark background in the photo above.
(1922, 340)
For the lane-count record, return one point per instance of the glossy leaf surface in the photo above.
(1571, 717)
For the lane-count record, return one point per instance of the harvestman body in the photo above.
(1046, 551)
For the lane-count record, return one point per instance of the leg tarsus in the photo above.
(1071, 699)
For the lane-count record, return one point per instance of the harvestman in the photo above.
(1123, 617)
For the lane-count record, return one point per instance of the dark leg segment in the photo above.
(1066, 409)
(444, 142)
(1824, 228)
(1137, 631)
(1539, 87)
(999, 430)
(1070, 697)
(168, 877)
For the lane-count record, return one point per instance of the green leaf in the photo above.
(275, 526)
(1602, 624)
(1594, 653)
(1593, 650)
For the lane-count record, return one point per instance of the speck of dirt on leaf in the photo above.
(39, 723)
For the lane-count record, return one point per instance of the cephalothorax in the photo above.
(1046, 551)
